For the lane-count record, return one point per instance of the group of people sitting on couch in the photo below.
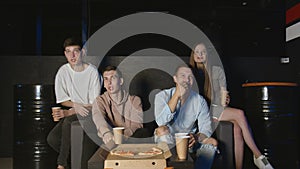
(177, 109)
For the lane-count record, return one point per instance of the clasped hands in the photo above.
(81, 109)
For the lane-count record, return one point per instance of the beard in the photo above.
(186, 85)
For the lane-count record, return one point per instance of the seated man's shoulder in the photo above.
(197, 96)
(93, 67)
(135, 101)
(134, 98)
(64, 67)
(103, 97)
(166, 91)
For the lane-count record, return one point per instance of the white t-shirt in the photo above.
(80, 87)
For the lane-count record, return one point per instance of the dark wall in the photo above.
(241, 70)
(249, 39)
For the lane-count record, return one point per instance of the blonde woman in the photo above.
(211, 80)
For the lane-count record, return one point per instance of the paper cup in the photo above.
(182, 143)
(224, 94)
(181, 134)
(54, 109)
(118, 134)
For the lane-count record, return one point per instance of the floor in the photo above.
(6, 163)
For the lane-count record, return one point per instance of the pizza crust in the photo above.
(122, 152)
(153, 151)
(128, 153)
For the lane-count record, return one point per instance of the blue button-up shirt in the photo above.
(185, 116)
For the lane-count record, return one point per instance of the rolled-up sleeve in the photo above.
(99, 119)
(163, 114)
(61, 91)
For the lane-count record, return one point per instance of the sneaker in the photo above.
(262, 162)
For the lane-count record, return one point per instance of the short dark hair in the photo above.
(72, 41)
(182, 65)
(109, 68)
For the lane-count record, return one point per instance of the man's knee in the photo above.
(162, 134)
(161, 130)
(50, 139)
(211, 141)
(53, 142)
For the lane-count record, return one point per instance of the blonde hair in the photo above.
(201, 66)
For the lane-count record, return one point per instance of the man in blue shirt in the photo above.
(180, 109)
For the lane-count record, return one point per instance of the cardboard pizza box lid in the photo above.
(138, 161)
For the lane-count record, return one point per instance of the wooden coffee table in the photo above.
(180, 164)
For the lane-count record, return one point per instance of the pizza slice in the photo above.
(122, 152)
(153, 151)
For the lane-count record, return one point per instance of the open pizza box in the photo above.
(138, 161)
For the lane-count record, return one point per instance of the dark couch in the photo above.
(224, 134)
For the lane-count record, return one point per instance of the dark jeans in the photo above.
(59, 139)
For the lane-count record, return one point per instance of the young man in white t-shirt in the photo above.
(77, 84)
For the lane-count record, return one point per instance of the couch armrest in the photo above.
(84, 142)
(77, 135)
(224, 135)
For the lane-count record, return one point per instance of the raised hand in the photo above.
(181, 89)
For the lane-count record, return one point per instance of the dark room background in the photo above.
(248, 35)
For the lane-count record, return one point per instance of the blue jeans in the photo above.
(205, 155)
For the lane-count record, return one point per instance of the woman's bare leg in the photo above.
(237, 116)
(238, 145)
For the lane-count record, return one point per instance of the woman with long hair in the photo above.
(211, 80)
